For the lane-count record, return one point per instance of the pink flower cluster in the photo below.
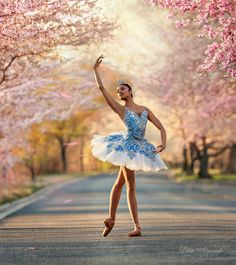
(217, 19)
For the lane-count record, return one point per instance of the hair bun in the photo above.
(120, 82)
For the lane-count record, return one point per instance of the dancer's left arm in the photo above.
(159, 125)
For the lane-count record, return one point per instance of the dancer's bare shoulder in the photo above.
(151, 115)
(152, 118)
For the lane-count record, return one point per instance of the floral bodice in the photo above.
(135, 123)
(132, 140)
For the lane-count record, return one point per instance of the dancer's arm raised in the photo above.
(117, 107)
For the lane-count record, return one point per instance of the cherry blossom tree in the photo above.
(216, 20)
(32, 29)
(66, 132)
(36, 101)
(32, 32)
(200, 110)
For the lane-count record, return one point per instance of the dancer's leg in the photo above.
(131, 197)
(115, 194)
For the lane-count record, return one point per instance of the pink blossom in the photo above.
(217, 19)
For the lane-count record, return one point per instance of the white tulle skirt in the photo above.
(138, 162)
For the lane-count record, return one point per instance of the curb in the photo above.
(14, 206)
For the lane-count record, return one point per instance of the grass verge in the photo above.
(217, 176)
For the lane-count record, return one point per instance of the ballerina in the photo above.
(128, 149)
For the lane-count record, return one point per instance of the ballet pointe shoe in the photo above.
(135, 232)
(109, 223)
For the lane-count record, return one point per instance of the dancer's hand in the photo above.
(98, 61)
(160, 148)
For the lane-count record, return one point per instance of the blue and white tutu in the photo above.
(128, 148)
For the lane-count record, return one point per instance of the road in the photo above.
(181, 224)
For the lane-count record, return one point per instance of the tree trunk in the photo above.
(92, 162)
(33, 175)
(203, 172)
(63, 158)
(81, 155)
(231, 166)
(185, 159)
(193, 156)
(63, 154)
(5, 181)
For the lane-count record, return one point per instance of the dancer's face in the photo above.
(123, 92)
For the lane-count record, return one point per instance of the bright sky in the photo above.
(138, 43)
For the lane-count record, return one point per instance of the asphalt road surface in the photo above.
(181, 224)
